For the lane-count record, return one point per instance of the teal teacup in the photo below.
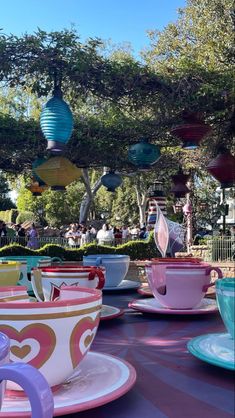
(225, 295)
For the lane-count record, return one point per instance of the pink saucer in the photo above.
(151, 305)
(110, 312)
(145, 290)
(101, 378)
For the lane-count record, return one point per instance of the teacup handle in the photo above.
(100, 274)
(35, 281)
(98, 261)
(56, 259)
(208, 271)
(34, 385)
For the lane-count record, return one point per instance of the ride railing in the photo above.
(63, 242)
(221, 248)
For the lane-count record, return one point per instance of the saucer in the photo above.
(110, 312)
(216, 349)
(101, 378)
(151, 305)
(124, 285)
(145, 290)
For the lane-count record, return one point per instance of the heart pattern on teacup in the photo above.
(34, 343)
(20, 352)
(82, 337)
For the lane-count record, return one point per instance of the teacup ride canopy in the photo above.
(192, 131)
(111, 180)
(143, 154)
(58, 172)
(56, 122)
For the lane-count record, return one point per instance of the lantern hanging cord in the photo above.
(57, 92)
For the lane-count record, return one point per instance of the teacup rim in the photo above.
(62, 269)
(105, 255)
(10, 288)
(95, 295)
(228, 282)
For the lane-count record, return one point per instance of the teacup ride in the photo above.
(27, 263)
(48, 281)
(43, 333)
(219, 349)
(178, 287)
(116, 266)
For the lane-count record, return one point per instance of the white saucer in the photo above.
(110, 312)
(151, 305)
(124, 285)
(101, 379)
(217, 349)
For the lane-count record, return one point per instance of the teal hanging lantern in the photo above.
(143, 154)
(56, 122)
(36, 164)
(111, 180)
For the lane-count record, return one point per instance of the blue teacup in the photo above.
(116, 266)
(225, 295)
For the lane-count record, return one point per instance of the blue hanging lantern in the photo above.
(111, 181)
(56, 122)
(36, 164)
(143, 154)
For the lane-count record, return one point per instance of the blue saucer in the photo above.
(216, 349)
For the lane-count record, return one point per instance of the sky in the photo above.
(119, 20)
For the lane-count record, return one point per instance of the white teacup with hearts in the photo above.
(52, 336)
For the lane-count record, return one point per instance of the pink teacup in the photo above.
(52, 336)
(180, 286)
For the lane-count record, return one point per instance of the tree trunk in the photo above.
(88, 196)
(142, 203)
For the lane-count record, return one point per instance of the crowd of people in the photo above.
(76, 234)
(79, 234)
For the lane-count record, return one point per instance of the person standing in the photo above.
(32, 235)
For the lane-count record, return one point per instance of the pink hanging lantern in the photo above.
(192, 131)
(222, 168)
(180, 189)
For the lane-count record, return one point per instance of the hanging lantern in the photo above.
(180, 189)
(111, 180)
(191, 132)
(56, 122)
(35, 188)
(35, 164)
(155, 195)
(58, 172)
(143, 154)
(222, 168)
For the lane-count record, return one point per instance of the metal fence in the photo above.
(221, 248)
(42, 241)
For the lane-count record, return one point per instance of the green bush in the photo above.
(137, 250)
(25, 216)
(15, 249)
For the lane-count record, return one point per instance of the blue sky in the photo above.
(119, 20)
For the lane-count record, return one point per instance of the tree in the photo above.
(5, 201)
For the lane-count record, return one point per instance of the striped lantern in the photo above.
(58, 172)
(156, 195)
(56, 122)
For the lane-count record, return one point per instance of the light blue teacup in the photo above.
(225, 295)
(116, 266)
(29, 262)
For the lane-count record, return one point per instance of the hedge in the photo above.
(137, 250)
(9, 215)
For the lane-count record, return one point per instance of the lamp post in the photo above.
(187, 210)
